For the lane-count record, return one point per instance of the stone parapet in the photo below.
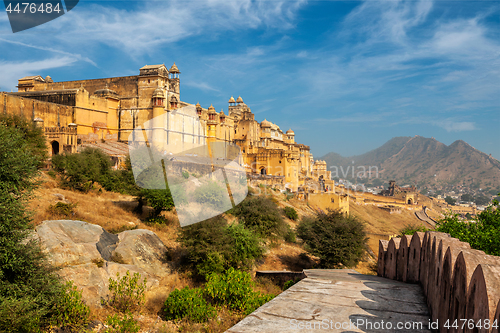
(458, 282)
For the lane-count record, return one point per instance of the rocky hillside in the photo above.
(424, 161)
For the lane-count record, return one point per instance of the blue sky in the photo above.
(347, 76)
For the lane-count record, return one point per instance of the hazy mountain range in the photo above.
(421, 161)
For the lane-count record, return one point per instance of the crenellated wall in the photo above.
(459, 282)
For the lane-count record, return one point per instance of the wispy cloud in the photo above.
(452, 126)
(200, 85)
(12, 71)
(153, 23)
(49, 49)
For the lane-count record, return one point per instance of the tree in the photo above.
(261, 215)
(450, 201)
(29, 288)
(80, 171)
(160, 200)
(334, 237)
(481, 200)
(214, 246)
(483, 235)
(467, 197)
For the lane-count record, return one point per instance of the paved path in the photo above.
(328, 299)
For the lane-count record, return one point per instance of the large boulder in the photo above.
(143, 249)
(89, 255)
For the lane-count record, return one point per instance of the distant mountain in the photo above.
(424, 161)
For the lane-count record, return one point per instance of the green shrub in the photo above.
(213, 246)
(334, 237)
(21, 314)
(71, 310)
(288, 284)
(119, 324)
(62, 209)
(213, 263)
(213, 195)
(188, 303)
(261, 215)
(160, 200)
(185, 174)
(81, 171)
(234, 289)
(291, 213)
(32, 136)
(410, 229)
(483, 234)
(128, 292)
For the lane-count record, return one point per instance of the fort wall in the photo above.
(460, 283)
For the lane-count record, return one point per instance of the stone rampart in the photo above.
(459, 283)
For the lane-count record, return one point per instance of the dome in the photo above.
(265, 123)
(239, 100)
(198, 105)
(174, 69)
(231, 100)
(48, 79)
(222, 113)
(158, 93)
(211, 109)
(290, 132)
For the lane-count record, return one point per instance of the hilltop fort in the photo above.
(104, 112)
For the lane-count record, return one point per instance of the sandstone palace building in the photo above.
(104, 112)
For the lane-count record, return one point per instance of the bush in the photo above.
(291, 213)
(261, 215)
(127, 293)
(160, 200)
(334, 238)
(185, 174)
(482, 235)
(81, 171)
(71, 310)
(288, 284)
(188, 303)
(234, 289)
(213, 246)
(212, 195)
(62, 209)
(32, 136)
(119, 324)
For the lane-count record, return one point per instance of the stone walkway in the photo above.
(341, 300)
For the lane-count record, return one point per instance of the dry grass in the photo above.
(115, 213)
(286, 256)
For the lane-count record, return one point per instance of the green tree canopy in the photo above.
(450, 201)
(334, 237)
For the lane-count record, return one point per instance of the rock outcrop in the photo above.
(89, 255)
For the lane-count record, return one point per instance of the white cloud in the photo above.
(460, 126)
(152, 23)
(13, 71)
(200, 85)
